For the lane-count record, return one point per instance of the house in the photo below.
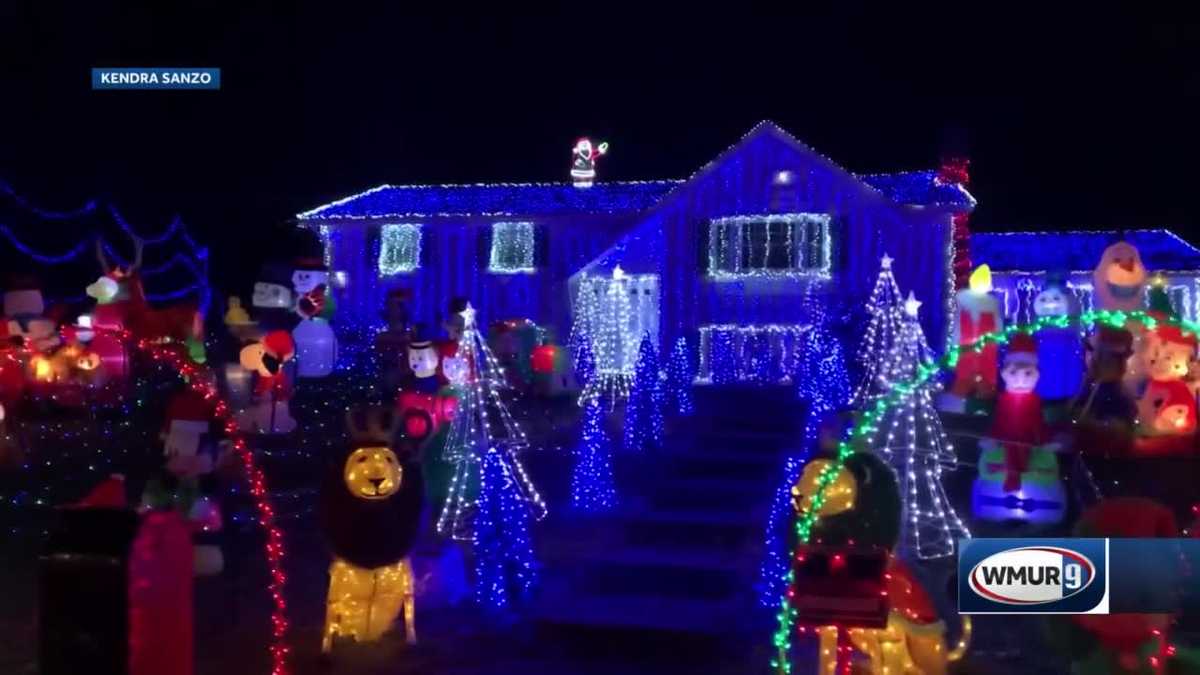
(737, 250)
(1020, 261)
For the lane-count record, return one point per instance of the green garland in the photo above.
(864, 427)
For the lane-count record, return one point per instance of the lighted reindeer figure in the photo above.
(121, 303)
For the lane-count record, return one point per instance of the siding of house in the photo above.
(455, 253)
(671, 240)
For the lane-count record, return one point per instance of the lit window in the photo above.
(399, 248)
(512, 248)
(773, 245)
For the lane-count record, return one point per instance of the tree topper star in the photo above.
(468, 315)
(911, 305)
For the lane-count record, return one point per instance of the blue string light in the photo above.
(43, 258)
(505, 566)
(47, 214)
(643, 412)
(593, 489)
(776, 562)
(680, 376)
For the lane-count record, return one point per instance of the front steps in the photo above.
(682, 551)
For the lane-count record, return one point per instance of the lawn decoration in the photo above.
(1167, 407)
(978, 314)
(121, 303)
(1018, 468)
(1059, 348)
(370, 511)
(269, 412)
(849, 588)
(1135, 644)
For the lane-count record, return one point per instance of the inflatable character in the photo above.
(309, 275)
(25, 317)
(273, 302)
(978, 315)
(1167, 407)
(1104, 400)
(1119, 280)
(269, 411)
(369, 512)
(1059, 348)
(185, 482)
(1018, 468)
(860, 512)
(121, 303)
(1128, 644)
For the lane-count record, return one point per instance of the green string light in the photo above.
(781, 664)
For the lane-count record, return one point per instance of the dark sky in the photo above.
(1073, 121)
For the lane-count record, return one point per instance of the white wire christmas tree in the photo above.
(910, 437)
(603, 315)
(481, 423)
(881, 335)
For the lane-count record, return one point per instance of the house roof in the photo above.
(494, 199)
(919, 188)
(1079, 251)
(916, 188)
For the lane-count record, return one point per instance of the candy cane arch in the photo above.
(862, 429)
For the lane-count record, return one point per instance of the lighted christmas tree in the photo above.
(823, 382)
(481, 424)
(505, 568)
(643, 412)
(680, 376)
(882, 333)
(821, 377)
(910, 437)
(592, 486)
(603, 317)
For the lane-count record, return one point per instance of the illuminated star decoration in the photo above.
(468, 315)
(885, 262)
(912, 305)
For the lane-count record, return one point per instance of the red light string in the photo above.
(274, 549)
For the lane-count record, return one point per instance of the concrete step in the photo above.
(559, 602)
(708, 494)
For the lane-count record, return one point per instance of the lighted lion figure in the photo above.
(370, 512)
(860, 506)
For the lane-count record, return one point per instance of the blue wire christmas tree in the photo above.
(823, 381)
(643, 412)
(680, 376)
(822, 378)
(505, 568)
(593, 489)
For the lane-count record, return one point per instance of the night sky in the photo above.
(1071, 122)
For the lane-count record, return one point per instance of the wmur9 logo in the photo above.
(1033, 576)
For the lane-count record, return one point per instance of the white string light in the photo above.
(481, 422)
(879, 339)
(805, 248)
(399, 248)
(512, 248)
(767, 353)
(910, 437)
(613, 312)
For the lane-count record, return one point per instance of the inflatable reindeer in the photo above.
(121, 303)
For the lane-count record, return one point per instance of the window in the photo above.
(399, 248)
(773, 245)
(512, 248)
